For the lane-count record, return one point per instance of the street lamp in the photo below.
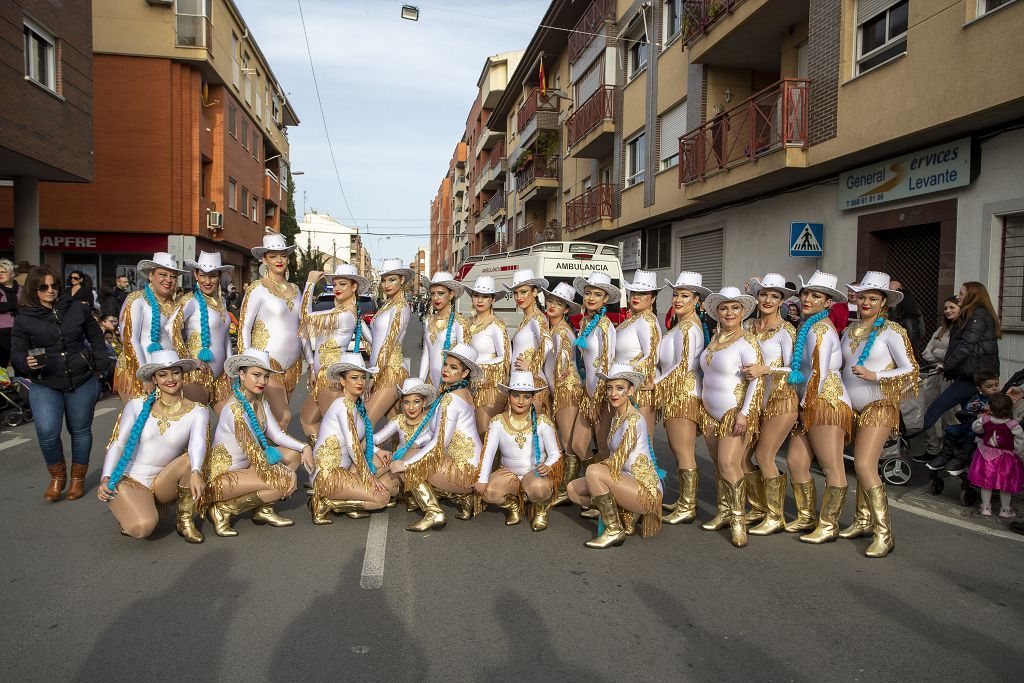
(411, 13)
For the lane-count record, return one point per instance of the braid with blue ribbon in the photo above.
(536, 439)
(400, 453)
(796, 375)
(154, 320)
(876, 327)
(359, 330)
(448, 332)
(273, 455)
(133, 442)
(703, 324)
(205, 354)
(581, 340)
(367, 434)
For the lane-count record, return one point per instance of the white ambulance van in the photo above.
(556, 261)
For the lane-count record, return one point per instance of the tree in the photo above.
(309, 259)
(290, 228)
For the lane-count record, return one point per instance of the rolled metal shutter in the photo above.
(673, 127)
(866, 9)
(702, 253)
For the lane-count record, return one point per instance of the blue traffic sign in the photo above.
(806, 239)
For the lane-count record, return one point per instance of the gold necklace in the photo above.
(517, 431)
(171, 407)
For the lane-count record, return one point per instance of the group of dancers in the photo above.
(502, 417)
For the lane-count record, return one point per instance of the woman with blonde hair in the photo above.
(486, 333)
(387, 330)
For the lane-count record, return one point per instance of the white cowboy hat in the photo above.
(248, 358)
(771, 281)
(209, 263)
(623, 371)
(394, 266)
(347, 271)
(348, 361)
(727, 294)
(565, 293)
(643, 281)
(824, 283)
(691, 282)
(446, 279)
(273, 242)
(161, 259)
(161, 360)
(881, 282)
(600, 281)
(525, 276)
(520, 380)
(467, 354)
(485, 285)
(414, 385)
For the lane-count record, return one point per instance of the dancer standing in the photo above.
(487, 334)
(677, 388)
(145, 323)
(200, 330)
(156, 452)
(596, 342)
(530, 338)
(443, 328)
(638, 336)
(530, 455)
(269, 321)
(387, 330)
(879, 368)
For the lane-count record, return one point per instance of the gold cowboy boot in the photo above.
(540, 514)
(883, 542)
(514, 508)
(685, 509)
(861, 519)
(572, 468)
(220, 513)
(319, 510)
(185, 520)
(433, 515)
(737, 519)
(613, 533)
(755, 496)
(805, 495)
(721, 518)
(774, 500)
(264, 514)
(353, 509)
(828, 519)
(464, 504)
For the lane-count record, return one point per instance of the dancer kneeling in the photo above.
(450, 459)
(246, 470)
(346, 478)
(416, 396)
(530, 456)
(630, 478)
(156, 452)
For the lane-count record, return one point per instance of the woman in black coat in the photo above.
(67, 352)
(9, 291)
(973, 345)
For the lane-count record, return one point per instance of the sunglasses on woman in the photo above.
(43, 287)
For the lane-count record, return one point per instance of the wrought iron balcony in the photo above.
(537, 167)
(589, 25)
(597, 203)
(539, 112)
(700, 16)
(599, 108)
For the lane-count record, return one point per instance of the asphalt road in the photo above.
(365, 599)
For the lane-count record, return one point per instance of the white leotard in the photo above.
(516, 447)
(163, 440)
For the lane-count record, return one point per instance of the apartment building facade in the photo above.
(191, 147)
(696, 134)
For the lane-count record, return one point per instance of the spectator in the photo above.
(9, 291)
(109, 303)
(973, 346)
(792, 312)
(78, 289)
(840, 316)
(23, 269)
(852, 306)
(909, 315)
(996, 464)
(68, 352)
(934, 382)
(958, 438)
(122, 288)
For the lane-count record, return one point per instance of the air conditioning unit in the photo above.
(161, 3)
(215, 220)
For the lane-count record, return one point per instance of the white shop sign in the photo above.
(630, 246)
(935, 169)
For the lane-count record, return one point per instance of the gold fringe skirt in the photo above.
(390, 377)
(566, 394)
(590, 406)
(486, 392)
(290, 378)
(218, 389)
(880, 414)
(650, 522)
(820, 413)
(780, 403)
(723, 428)
(332, 479)
(125, 381)
(463, 473)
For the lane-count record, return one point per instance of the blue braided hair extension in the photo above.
(703, 324)
(536, 438)
(205, 354)
(400, 453)
(581, 341)
(876, 327)
(359, 329)
(796, 375)
(133, 443)
(273, 455)
(448, 332)
(367, 433)
(650, 447)
(154, 320)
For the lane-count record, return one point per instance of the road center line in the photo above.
(939, 517)
(13, 442)
(376, 543)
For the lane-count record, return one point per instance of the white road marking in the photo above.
(939, 517)
(13, 442)
(105, 410)
(376, 543)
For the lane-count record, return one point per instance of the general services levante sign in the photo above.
(931, 170)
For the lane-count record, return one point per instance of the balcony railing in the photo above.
(494, 204)
(536, 103)
(597, 108)
(496, 156)
(596, 203)
(588, 25)
(493, 248)
(531, 233)
(271, 187)
(700, 16)
(772, 119)
(537, 167)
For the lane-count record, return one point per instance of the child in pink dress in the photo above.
(997, 460)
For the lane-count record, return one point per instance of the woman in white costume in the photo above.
(416, 397)
(387, 330)
(444, 328)
(269, 321)
(201, 330)
(487, 334)
(532, 336)
(145, 323)
(596, 342)
(156, 452)
(637, 338)
(879, 368)
(530, 456)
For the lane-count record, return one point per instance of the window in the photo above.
(637, 54)
(236, 72)
(40, 56)
(657, 247)
(245, 133)
(1011, 279)
(277, 110)
(255, 209)
(985, 6)
(244, 203)
(673, 18)
(192, 23)
(233, 121)
(232, 189)
(255, 145)
(882, 36)
(258, 106)
(673, 127)
(266, 102)
(247, 82)
(636, 160)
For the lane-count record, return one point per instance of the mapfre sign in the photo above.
(106, 242)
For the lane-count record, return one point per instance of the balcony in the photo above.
(590, 23)
(493, 211)
(493, 248)
(591, 128)
(537, 178)
(539, 112)
(700, 16)
(768, 130)
(487, 139)
(596, 205)
(532, 233)
(741, 34)
(271, 187)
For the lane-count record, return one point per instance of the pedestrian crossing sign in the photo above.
(806, 239)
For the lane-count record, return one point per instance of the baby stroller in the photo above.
(969, 495)
(14, 405)
(893, 466)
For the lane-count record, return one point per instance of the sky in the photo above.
(395, 96)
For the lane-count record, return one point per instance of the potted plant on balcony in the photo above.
(524, 158)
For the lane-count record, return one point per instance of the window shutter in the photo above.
(867, 9)
(673, 127)
(702, 253)
(590, 82)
